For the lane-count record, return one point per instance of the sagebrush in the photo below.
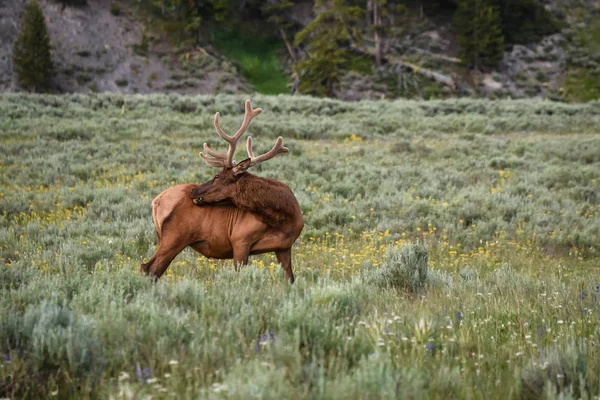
(498, 299)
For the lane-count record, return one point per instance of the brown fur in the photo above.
(270, 199)
(224, 231)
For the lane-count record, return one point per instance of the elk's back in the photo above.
(170, 202)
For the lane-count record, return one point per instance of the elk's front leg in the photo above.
(284, 257)
(241, 252)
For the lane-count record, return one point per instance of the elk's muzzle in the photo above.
(196, 196)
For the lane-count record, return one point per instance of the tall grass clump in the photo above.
(559, 373)
(403, 268)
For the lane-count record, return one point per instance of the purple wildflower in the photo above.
(430, 346)
(7, 358)
(540, 332)
(142, 375)
(459, 316)
(583, 295)
(597, 288)
(263, 339)
(257, 345)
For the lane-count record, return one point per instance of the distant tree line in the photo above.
(323, 50)
(337, 39)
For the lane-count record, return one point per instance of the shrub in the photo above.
(185, 106)
(31, 52)
(404, 268)
(142, 48)
(557, 373)
(56, 337)
(115, 9)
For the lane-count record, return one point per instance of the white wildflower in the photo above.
(218, 387)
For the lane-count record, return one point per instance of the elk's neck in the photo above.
(270, 199)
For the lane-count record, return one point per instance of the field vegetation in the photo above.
(450, 251)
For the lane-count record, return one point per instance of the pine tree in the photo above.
(328, 40)
(479, 27)
(278, 13)
(31, 52)
(526, 21)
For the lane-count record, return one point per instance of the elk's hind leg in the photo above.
(284, 257)
(240, 256)
(162, 258)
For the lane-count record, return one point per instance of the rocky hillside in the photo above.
(109, 46)
(532, 70)
(97, 48)
(561, 66)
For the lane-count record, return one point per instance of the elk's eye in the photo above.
(216, 176)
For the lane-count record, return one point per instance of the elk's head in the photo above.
(223, 186)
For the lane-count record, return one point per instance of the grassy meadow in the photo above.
(451, 250)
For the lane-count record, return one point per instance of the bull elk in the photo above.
(233, 215)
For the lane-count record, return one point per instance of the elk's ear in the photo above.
(241, 167)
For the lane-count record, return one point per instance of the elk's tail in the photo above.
(155, 204)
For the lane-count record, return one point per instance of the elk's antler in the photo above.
(278, 148)
(226, 160)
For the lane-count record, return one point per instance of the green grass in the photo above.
(499, 298)
(257, 57)
(582, 84)
(582, 81)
